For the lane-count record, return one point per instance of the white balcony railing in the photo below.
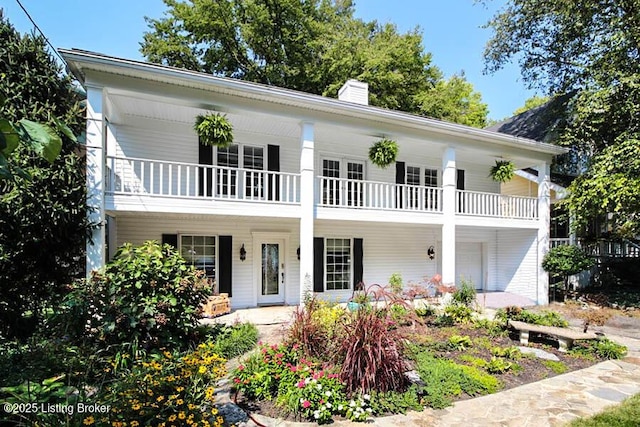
(351, 193)
(496, 205)
(186, 180)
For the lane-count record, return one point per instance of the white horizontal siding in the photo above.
(477, 177)
(517, 263)
(519, 186)
(387, 249)
(137, 230)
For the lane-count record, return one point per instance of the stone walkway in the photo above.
(551, 402)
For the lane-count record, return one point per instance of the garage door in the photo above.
(469, 263)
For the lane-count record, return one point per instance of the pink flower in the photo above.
(236, 380)
(295, 346)
(306, 404)
(241, 368)
(301, 384)
(293, 368)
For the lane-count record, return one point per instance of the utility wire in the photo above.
(41, 32)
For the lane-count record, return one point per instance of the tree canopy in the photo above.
(590, 50)
(43, 222)
(313, 46)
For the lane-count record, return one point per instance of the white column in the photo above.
(449, 212)
(544, 218)
(95, 257)
(307, 207)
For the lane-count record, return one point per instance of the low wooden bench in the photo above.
(565, 336)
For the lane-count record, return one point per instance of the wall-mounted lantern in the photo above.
(243, 253)
(431, 252)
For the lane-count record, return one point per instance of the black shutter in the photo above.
(225, 258)
(205, 175)
(358, 264)
(461, 208)
(400, 175)
(170, 239)
(273, 165)
(459, 179)
(318, 264)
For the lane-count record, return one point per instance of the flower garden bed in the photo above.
(385, 360)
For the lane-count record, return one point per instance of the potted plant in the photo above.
(214, 129)
(503, 171)
(383, 153)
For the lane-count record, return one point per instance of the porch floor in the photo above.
(276, 315)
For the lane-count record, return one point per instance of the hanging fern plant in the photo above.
(383, 153)
(214, 129)
(503, 171)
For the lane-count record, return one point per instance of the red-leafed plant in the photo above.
(371, 353)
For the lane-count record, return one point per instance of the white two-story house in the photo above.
(295, 205)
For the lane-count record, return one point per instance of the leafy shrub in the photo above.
(236, 340)
(426, 311)
(309, 329)
(446, 379)
(603, 348)
(566, 260)
(556, 366)
(317, 396)
(358, 409)
(394, 402)
(395, 282)
(167, 388)
(459, 313)
(498, 365)
(262, 373)
(502, 171)
(544, 318)
(511, 352)
(493, 328)
(148, 295)
(371, 354)
(465, 294)
(459, 343)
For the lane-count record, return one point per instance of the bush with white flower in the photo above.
(316, 397)
(359, 408)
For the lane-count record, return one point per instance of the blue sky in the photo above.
(451, 30)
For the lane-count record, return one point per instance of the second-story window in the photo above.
(413, 193)
(240, 156)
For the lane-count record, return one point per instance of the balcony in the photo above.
(154, 178)
(475, 203)
(359, 194)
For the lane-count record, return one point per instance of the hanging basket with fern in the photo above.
(214, 129)
(383, 153)
(503, 171)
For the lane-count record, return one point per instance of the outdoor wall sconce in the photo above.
(431, 252)
(298, 253)
(243, 253)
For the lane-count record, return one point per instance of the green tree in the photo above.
(312, 46)
(454, 100)
(530, 103)
(566, 260)
(43, 222)
(588, 50)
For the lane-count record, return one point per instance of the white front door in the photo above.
(271, 271)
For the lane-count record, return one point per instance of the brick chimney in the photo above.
(354, 91)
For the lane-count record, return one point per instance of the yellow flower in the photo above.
(134, 423)
(167, 354)
(88, 421)
(202, 369)
(191, 406)
(172, 417)
(179, 389)
(135, 406)
(182, 415)
(160, 398)
(179, 402)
